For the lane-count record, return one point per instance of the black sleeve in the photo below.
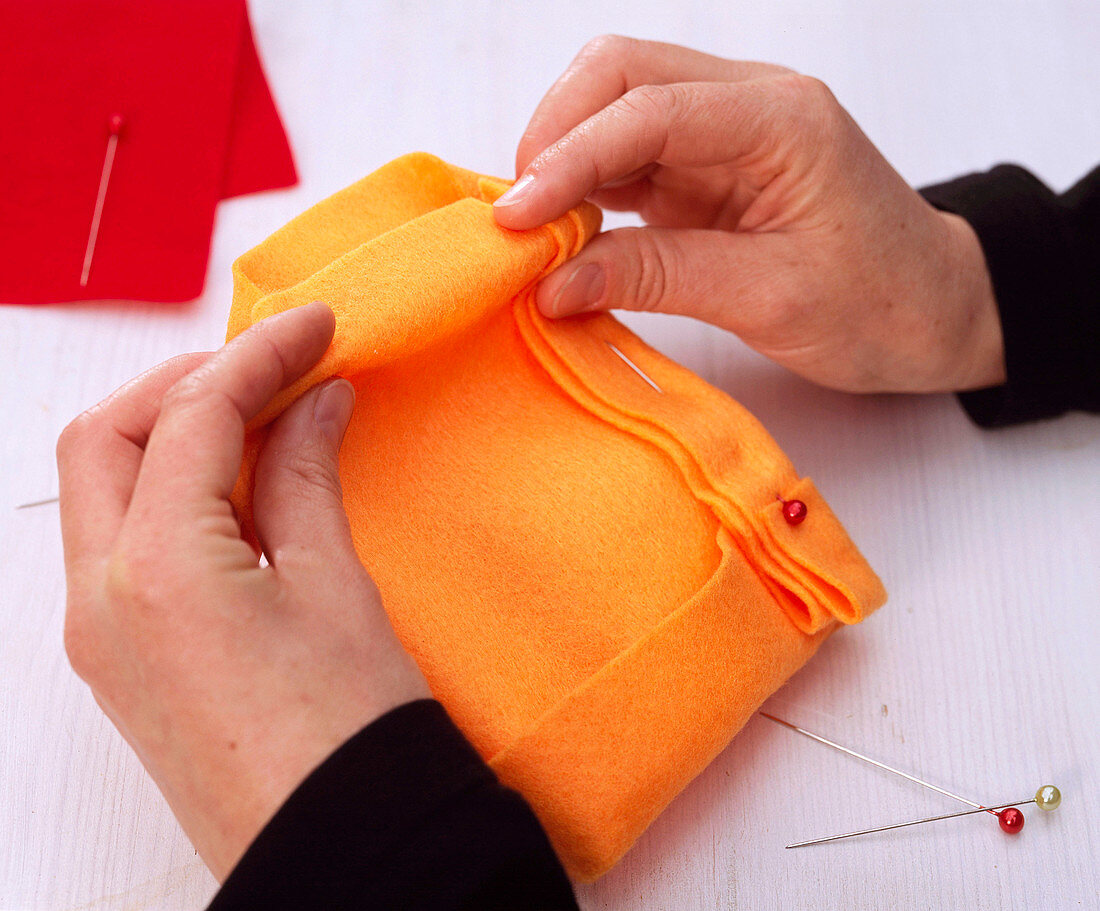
(405, 815)
(1043, 253)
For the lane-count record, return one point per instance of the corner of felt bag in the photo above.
(874, 596)
(820, 577)
(434, 170)
(585, 864)
(595, 853)
(419, 159)
(246, 293)
(835, 555)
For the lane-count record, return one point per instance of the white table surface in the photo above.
(981, 673)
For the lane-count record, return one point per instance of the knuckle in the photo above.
(786, 311)
(809, 99)
(313, 474)
(80, 641)
(571, 145)
(786, 303)
(194, 395)
(128, 576)
(819, 96)
(649, 102)
(808, 89)
(654, 269)
(184, 394)
(141, 579)
(75, 435)
(604, 48)
(275, 362)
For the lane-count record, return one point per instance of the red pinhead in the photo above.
(794, 511)
(115, 123)
(1011, 820)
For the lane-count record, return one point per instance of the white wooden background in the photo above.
(982, 671)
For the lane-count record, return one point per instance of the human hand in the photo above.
(771, 213)
(231, 681)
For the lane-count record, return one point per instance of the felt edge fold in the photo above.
(521, 259)
(814, 585)
(659, 734)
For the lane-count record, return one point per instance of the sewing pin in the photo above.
(638, 370)
(874, 762)
(38, 503)
(114, 124)
(1047, 797)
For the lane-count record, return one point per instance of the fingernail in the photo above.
(517, 193)
(332, 410)
(581, 291)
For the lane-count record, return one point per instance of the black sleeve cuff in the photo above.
(404, 815)
(1041, 251)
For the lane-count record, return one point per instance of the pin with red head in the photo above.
(115, 124)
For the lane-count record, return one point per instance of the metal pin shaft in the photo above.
(638, 370)
(38, 503)
(874, 762)
(912, 822)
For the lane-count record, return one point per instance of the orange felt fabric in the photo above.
(595, 577)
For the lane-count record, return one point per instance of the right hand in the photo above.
(771, 214)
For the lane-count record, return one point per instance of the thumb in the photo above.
(736, 281)
(297, 500)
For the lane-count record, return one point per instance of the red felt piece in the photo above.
(200, 125)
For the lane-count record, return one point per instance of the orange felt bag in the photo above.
(594, 574)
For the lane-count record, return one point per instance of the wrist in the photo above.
(224, 796)
(979, 360)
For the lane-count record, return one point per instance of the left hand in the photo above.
(230, 680)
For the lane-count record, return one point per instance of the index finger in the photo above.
(99, 455)
(610, 66)
(752, 125)
(194, 452)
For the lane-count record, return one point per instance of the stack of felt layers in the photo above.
(595, 576)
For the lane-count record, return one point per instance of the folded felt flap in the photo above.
(396, 193)
(825, 576)
(404, 258)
